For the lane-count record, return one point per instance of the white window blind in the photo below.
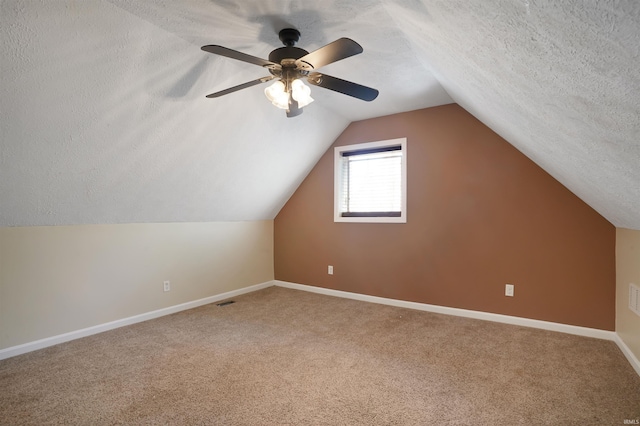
(372, 182)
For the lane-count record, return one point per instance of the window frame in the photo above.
(337, 181)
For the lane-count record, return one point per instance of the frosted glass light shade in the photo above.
(277, 95)
(301, 93)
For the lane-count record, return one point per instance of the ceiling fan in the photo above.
(289, 65)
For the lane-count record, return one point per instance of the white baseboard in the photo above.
(506, 319)
(61, 338)
(633, 360)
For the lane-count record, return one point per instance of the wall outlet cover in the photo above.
(508, 290)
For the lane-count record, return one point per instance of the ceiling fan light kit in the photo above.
(280, 96)
(301, 93)
(277, 94)
(290, 65)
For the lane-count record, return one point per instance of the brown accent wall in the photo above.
(479, 215)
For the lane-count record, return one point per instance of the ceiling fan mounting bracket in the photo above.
(289, 36)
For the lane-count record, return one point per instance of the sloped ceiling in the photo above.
(104, 119)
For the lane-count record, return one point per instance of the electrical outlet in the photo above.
(330, 270)
(508, 290)
(167, 285)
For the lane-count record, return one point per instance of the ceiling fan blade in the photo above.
(240, 87)
(343, 86)
(332, 52)
(234, 54)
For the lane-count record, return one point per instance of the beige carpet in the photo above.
(286, 357)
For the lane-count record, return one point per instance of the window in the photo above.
(370, 182)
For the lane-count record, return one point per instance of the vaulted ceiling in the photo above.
(104, 117)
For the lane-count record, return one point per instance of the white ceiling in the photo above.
(104, 120)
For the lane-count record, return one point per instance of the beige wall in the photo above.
(59, 279)
(479, 215)
(627, 271)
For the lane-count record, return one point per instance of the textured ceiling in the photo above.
(104, 120)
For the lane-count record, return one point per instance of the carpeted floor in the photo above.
(286, 357)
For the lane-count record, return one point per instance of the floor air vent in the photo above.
(228, 302)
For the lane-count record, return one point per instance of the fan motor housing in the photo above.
(289, 52)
